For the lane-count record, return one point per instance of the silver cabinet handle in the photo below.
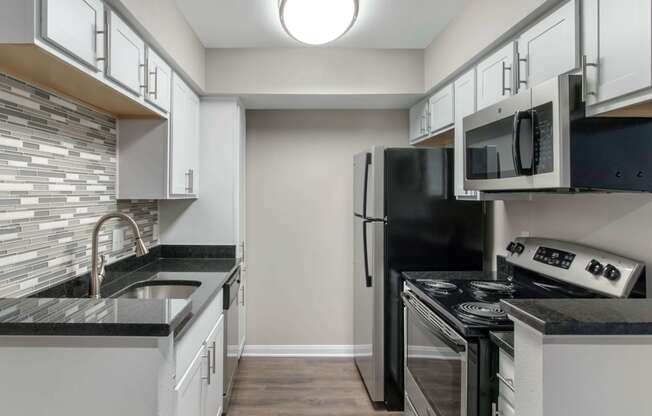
(585, 90)
(518, 72)
(214, 360)
(141, 76)
(98, 33)
(505, 69)
(495, 411)
(507, 382)
(208, 366)
(155, 75)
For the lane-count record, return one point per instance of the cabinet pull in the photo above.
(141, 75)
(97, 43)
(208, 367)
(518, 73)
(585, 90)
(505, 69)
(190, 181)
(155, 92)
(214, 360)
(508, 382)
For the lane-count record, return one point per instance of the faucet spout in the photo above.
(97, 267)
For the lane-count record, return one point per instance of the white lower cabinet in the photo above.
(200, 374)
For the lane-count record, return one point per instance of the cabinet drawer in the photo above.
(192, 340)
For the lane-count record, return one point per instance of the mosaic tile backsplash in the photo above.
(57, 177)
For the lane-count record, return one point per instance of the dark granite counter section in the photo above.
(78, 315)
(584, 316)
(504, 340)
(92, 317)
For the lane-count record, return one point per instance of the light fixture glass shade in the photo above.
(316, 22)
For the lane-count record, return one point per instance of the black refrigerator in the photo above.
(406, 218)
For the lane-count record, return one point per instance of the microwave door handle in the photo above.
(516, 144)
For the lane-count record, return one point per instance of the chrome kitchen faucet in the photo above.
(97, 270)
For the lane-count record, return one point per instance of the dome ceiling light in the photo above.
(316, 22)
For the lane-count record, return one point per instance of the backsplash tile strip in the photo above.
(58, 167)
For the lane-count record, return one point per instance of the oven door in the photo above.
(437, 366)
(521, 143)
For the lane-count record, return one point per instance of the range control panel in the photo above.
(554, 257)
(587, 267)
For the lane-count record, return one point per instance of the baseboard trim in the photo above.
(298, 351)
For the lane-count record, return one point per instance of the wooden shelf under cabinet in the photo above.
(36, 65)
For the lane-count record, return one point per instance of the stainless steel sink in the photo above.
(159, 290)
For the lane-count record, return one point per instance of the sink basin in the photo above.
(159, 290)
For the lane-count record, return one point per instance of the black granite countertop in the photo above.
(584, 316)
(504, 340)
(121, 317)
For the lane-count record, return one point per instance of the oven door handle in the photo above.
(516, 143)
(437, 328)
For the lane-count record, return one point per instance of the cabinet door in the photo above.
(180, 138)
(617, 42)
(495, 76)
(193, 144)
(419, 121)
(75, 26)
(126, 55)
(190, 387)
(159, 81)
(214, 380)
(549, 48)
(442, 109)
(464, 106)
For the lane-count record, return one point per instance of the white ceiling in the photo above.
(381, 23)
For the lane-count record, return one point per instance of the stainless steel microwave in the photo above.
(541, 140)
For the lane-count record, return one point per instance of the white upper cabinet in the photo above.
(77, 28)
(184, 146)
(495, 76)
(464, 106)
(550, 47)
(419, 120)
(617, 48)
(159, 81)
(442, 109)
(126, 64)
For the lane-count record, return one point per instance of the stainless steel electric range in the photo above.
(450, 363)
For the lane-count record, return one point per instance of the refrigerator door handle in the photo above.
(366, 185)
(367, 276)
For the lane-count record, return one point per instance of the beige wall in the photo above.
(477, 27)
(621, 223)
(299, 220)
(170, 33)
(314, 71)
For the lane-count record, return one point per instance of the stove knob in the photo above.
(611, 272)
(511, 246)
(519, 248)
(595, 267)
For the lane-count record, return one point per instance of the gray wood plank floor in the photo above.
(300, 387)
